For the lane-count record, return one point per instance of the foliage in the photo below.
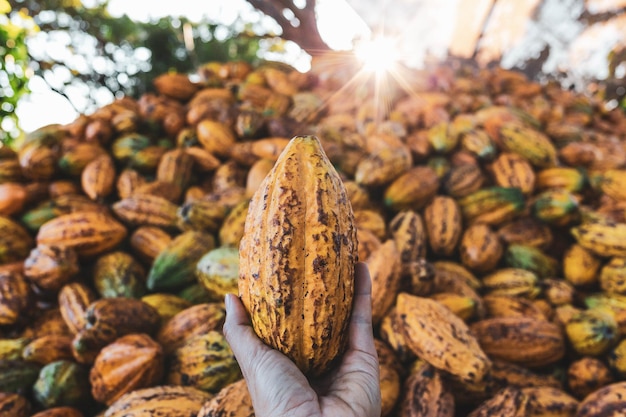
(86, 50)
(14, 72)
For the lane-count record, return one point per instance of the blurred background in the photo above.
(61, 58)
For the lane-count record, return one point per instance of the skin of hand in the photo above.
(279, 389)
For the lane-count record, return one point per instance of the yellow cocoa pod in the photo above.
(498, 305)
(391, 331)
(525, 341)
(372, 221)
(283, 213)
(606, 401)
(217, 138)
(49, 348)
(512, 281)
(425, 393)
(367, 242)
(431, 328)
(173, 401)
(550, 402)
(528, 143)
(384, 266)
(195, 320)
(409, 233)
(592, 332)
(613, 183)
(413, 189)
(233, 400)
(257, 173)
(382, 167)
(613, 276)
(587, 375)
(167, 305)
(512, 170)
(580, 265)
(130, 363)
(98, 177)
(443, 224)
(509, 401)
(558, 291)
(232, 228)
(480, 249)
(462, 306)
(146, 210)
(176, 86)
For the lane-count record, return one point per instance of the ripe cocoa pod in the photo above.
(15, 297)
(431, 328)
(512, 170)
(74, 299)
(413, 189)
(175, 167)
(587, 375)
(59, 412)
(172, 401)
(604, 402)
(425, 393)
(190, 322)
(117, 274)
(409, 233)
(218, 272)
(443, 224)
(176, 86)
(384, 268)
(98, 177)
(480, 248)
(132, 362)
(146, 210)
(148, 241)
(233, 400)
(88, 233)
(15, 241)
(526, 341)
(47, 349)
(17, 375)
(283, 215)
(49, 267)
(232, 228)
(14, 405)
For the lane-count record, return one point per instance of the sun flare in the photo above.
(379, 54)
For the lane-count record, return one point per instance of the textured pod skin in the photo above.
(480, 248)
(218, 272)
(74, 299)
(232, 401)
(204, 362)
(367, 242)
(371, 220)
(602, 238)
(118, 274)
(59, 412)
(175, 265)
(613, 276)
(14, 405)
(592, 332)
(511, 306)
(462, 306)
(587, 375)
(607, 401)
(110, 318)
(47, 349)
(492, 205)
(528, 143)
(409, 233)
(558, 291)
(389, 371)
(128, 181)
(392, 332)
(171, 401)
(61, 383)
(51, 266)
(443, 223)
(148, 241)
(74, 160)
(571, 179)
(175, 167)
(232, 228)
(463, 180)
(512, 170)
(382, 167)
(512, 281)
(531, 259)
(202, 159)
(613, 183)
(17, 375)
(167, 305)
(98, 177)
(524, 341)
(384, 267)
(442, 339)
(88, 233)
(526, 231)
(617, 359)
(12, 348)
(558, 207)
(413, 189)
(190, 322)
(548, 401)
(425, 394)
(169, 191)
(215, 137)
(301, 224)
(146, 210)
(508, 402)
(15, 242)
(50, 322)
(201, 215)
(15, 297)
(132, 362)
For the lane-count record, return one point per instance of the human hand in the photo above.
(279, 389)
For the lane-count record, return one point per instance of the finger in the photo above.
(361, 333)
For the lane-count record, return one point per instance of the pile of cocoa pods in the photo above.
(490, 209)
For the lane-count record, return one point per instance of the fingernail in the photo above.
(228, 302)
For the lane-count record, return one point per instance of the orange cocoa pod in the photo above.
(148, 241)
(443, 224)
(257, 173)
(203, 160)
(511, 170)
(232, 400)
(176, 86)
(215, 137)
(88, 233)
(62, 187)
(15, 297)
(74, 299)
(12, 198)
(195, 320)
(480, 248)
(384, 266)
(98, 177)
(146, 210)
(131, 362)
(128, 181)
(49, 348)
(175, 167)
(50, 267)
(59, 412)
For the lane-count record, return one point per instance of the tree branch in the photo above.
(306, 34)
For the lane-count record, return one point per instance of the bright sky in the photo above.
(337, 21)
